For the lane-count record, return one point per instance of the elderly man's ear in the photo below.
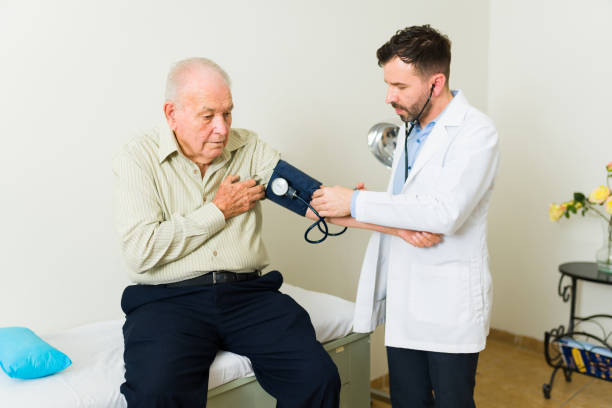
(169, 110)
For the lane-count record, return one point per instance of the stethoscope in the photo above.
(412, 123)
(281, 187)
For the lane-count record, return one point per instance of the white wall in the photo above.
(79, 78)
(549, 90)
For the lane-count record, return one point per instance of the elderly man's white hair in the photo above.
(179, 69)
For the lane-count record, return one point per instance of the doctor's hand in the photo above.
(235, 197)
(332, 201)
(419, 239)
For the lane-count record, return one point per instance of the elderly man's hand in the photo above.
(420, 239)
(332, 201)
(236, 197)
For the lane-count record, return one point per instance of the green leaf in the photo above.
(579, 197)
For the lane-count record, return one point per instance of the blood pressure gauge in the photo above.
(280, 186)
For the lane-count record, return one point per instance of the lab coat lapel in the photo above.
(437, 139)
(439, 136)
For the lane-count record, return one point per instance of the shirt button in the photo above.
(215, 253)
(195, 171)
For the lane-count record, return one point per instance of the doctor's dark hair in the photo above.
(423, 46)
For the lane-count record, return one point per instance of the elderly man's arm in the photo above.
(148, 236)
(263, 161)
(419, 239)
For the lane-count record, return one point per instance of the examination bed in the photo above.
(97, 371)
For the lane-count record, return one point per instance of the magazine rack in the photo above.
(579, 348)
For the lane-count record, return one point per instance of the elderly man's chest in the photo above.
(182, 187)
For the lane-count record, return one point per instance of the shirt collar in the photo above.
(167, 142)
(169, 145)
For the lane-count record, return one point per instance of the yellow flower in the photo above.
(578, 205)
(555, 212)
(599, 195)
(609, 206)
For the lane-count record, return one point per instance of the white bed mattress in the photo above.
(97, 371)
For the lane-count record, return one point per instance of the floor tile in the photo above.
(510, 376)
(596, 394)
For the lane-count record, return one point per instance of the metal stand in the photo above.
(575, 271)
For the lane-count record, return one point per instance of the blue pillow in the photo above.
(25, 355)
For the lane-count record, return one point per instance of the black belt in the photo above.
(214, 277)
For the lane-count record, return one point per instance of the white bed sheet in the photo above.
(97, 371)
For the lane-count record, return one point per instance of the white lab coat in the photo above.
(439, 298)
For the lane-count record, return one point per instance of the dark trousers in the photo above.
(172, 334)
(414, 374)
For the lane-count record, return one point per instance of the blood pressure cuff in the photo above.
(303, 184)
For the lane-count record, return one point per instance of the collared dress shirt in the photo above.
(169, 228)
(416, 140)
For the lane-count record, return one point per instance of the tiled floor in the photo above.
(511, 376)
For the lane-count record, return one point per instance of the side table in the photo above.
(575, 271)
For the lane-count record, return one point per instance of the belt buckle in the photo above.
(214, 277)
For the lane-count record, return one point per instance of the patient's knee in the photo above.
(332, 377)
(323, 373)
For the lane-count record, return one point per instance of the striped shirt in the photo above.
(168, 226)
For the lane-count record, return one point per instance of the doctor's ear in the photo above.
(439, 81)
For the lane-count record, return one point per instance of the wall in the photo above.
(80, 78)
(549, 88)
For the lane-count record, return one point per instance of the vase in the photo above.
(604, 254)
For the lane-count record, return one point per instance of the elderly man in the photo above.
(187, 211)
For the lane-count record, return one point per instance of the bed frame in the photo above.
(352, 356)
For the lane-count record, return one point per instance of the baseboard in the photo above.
(525, 342)
(380, 383)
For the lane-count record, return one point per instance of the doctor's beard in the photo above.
(414, 109)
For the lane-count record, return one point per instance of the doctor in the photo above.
(436, 300)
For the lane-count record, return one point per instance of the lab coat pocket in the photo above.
(439, 294)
